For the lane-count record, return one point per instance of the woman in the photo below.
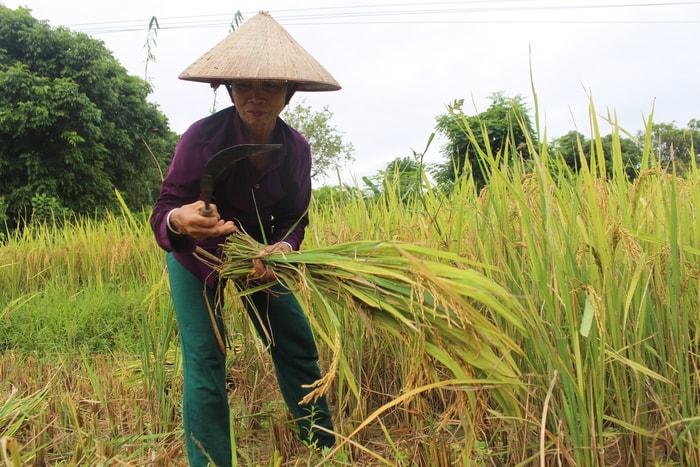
(266, 195)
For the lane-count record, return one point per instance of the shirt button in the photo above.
(257, 186)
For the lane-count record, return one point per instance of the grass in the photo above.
(551, 318)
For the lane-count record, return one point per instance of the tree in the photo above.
(505, 124)
(402, 177)
(574, 146)
(676, 145)
(73, 124)
(335, 196)
(569, 147)
(327, 147)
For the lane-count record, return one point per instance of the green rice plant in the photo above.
(605, 274)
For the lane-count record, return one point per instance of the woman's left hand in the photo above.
(262, 273)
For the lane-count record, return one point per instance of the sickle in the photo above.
(220, 161)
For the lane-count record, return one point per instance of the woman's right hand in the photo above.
(188, 220)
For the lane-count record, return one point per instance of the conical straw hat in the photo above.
(261, 49)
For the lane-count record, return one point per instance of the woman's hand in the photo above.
(188, 220)
(262, 273)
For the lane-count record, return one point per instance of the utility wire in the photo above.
(428, 13)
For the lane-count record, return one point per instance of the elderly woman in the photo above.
(267, 196)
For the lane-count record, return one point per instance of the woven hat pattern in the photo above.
(261, 49)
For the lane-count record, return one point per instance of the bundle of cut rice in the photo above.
(419, 294)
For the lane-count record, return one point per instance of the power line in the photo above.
(397, 14)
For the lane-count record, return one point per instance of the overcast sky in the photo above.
(400, 63)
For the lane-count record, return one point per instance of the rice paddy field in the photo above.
(548, 319)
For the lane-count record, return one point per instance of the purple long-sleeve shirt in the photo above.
(276, 199)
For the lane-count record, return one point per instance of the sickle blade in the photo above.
(220, 161)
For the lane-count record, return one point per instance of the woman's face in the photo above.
(259, 102)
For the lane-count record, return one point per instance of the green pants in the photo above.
(205, 402)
